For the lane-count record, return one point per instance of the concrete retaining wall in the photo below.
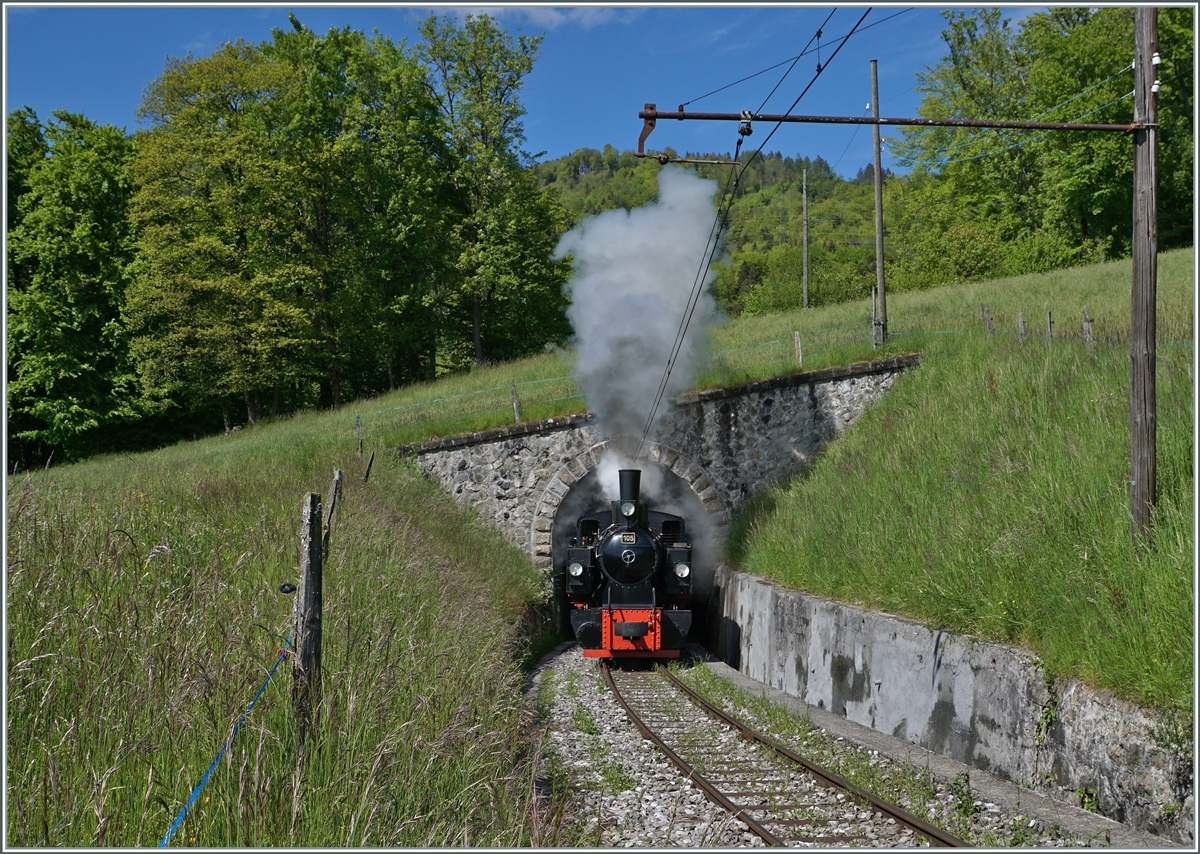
(986, 705)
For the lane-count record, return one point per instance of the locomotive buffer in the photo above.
(629, 579)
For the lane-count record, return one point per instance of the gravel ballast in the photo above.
(625, 793)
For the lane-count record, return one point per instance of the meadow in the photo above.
(986, 493)
(144, 611)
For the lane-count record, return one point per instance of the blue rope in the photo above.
(228, 742)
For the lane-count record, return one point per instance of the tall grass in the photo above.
(143, 613)
(987, 493)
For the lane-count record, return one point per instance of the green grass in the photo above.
(143, 613)
(987, 493)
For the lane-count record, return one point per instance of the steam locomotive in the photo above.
(628, 578)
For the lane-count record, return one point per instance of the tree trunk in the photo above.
(475, 331)
(432, 352)
(391, 377)
(227, 417)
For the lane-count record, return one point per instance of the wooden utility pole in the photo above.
(804, 186)
(306, 628)
(1142, 353)
(879, 325)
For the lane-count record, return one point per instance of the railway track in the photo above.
(779, 795)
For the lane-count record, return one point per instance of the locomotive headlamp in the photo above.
(628, 508)
(683, 570)
(576, 569)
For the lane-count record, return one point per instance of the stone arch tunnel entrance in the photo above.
(662, 489)
(714, 448)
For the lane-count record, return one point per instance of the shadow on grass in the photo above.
(759, 508)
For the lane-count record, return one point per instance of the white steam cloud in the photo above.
(634, 274)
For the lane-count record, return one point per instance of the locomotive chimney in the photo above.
(631, 483)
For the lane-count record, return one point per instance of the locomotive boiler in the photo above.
(628, 578)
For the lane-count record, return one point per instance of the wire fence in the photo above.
(536, 399)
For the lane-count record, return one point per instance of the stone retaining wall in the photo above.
(986, 705)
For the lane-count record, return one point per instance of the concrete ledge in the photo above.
(858, 369)
(985, 705)
(566, 422)
(496, 434)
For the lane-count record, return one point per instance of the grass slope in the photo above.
(143, 614)
(987, 493)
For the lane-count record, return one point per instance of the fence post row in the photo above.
(335, 495)
(306, 665)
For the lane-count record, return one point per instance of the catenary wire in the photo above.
(694, 297)
(786, 61)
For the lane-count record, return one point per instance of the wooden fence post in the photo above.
(306, 628)
(335, 495)
(1087, 328)
(1049, 328)
(989, 324)
(1020, 324)
(799, 352)
(516, 408)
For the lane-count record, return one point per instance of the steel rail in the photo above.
(690, 773)
(935, 834)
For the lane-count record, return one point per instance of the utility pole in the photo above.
(804, 185)
(879, 324)
(1142, 351)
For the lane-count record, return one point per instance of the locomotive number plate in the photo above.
(628, 539)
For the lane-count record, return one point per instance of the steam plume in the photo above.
(634, 273)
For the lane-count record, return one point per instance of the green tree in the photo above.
(365, 146)
(25, 148)
(1047, 190)
(70, 382)
(505, 224)
(214, 316)
(293, 212)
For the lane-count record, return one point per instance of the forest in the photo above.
(316, 219)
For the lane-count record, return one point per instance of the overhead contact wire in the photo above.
(718, 225)
(786, 61)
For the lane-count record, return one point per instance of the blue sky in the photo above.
(598, 64)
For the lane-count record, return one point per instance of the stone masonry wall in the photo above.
(725, 443)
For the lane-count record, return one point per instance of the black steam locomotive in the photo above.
(629, 579)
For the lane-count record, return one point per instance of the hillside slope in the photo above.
(987, 493)
(143, 612)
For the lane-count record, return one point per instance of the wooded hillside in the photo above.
(316, 219)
